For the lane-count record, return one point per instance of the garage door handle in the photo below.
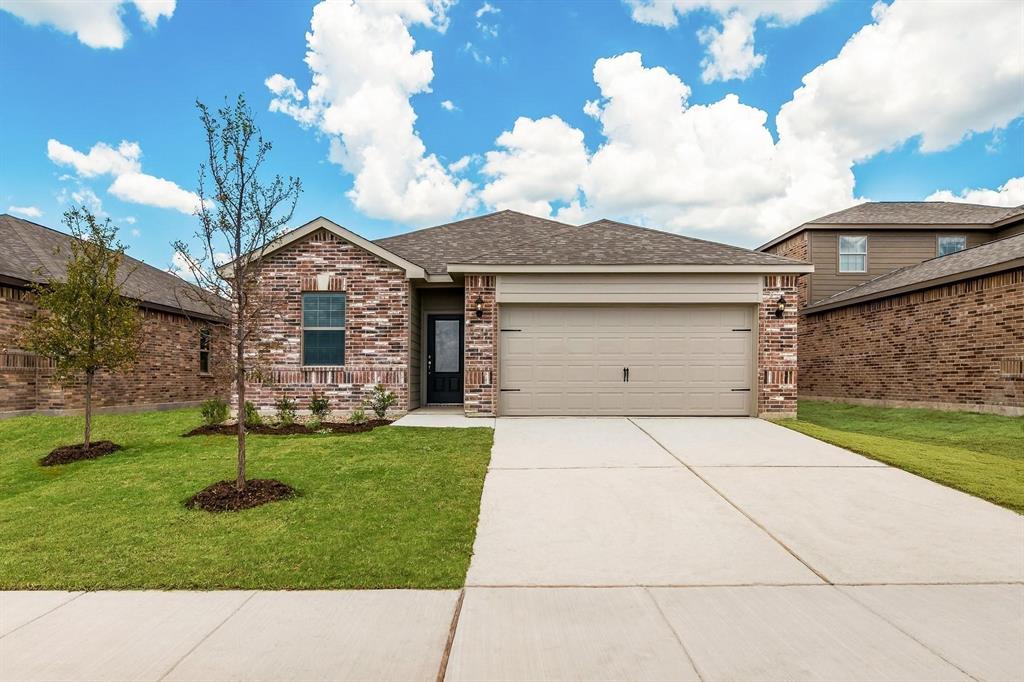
(510, 390)
(742, 330)
(747, 390)
(625, 374)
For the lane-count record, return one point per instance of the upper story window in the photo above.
(853, 253)
(948, 245)
(204, 350)
(323, 328)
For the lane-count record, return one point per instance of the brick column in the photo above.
(777, 349)
(481, 355)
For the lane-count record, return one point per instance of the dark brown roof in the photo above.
(918, 213)
(512, 238)
(35, 253)
(991, 256)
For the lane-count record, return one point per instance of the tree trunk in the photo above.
(88, 410)
(240, 390)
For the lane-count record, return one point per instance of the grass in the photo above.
(394, 507)
(980, 454)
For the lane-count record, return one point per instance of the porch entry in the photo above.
(444, 358)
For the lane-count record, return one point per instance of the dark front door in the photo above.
(444, 358)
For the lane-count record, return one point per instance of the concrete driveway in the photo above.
(612, 549)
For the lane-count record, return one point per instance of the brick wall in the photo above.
(167, 371)
(481, 350)
(777, 348)
(798, 247)
(954, 346)
(377, 296)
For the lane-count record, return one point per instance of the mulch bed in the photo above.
(290, 430)
(222, 495)
(73, 453)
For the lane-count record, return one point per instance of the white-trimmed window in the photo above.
(952, 244)
(853, 253)
(323, 328)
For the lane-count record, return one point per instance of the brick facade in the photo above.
(955, 346)
(798, 247)
(777, 348)
(167, 372)
(481, 347)
(377, 306)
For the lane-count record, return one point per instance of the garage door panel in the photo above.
(683, 359)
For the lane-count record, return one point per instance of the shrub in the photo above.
(285, 410)
(313, 423)
(380, 400)
(214, 411)
(252, 415)
(358, 416)
(319, 405)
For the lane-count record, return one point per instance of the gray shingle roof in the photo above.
(34, 253)
(992, 254)
(511, 238)
(918, 213)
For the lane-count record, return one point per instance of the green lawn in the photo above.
(394, 507)
(980, 454)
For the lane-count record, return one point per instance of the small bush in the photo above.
(214, 411)
(319, 405)
(285, 410)
(380, 400)
(358, 416)
(313, 423)
(252, 415)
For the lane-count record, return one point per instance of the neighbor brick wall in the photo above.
(167, 371)
(798, 247)
(777, 348)
(377, 296)
(481, 350)
(949, 346)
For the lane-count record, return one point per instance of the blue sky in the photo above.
(703, 163)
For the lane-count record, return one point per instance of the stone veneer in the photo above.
(377, 346)
(777, 348)
(167, 372)
(957, 346)
(481, 348)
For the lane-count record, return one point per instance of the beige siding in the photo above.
(629, 288)
(887, 251)
(1010, 231)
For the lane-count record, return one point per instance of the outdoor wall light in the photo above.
(780, 306)
(479, 306)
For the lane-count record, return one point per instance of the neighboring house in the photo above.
(182, 338)
(515, 315)
(913, 304)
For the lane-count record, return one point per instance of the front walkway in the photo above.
(608, 549)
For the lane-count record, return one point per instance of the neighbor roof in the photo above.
(910, 214)
(994, 256)
(35, 253)
(509, 238)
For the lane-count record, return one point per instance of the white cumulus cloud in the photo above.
(96, 24)
(130, 183)
(1011, 193)
(730, 49)
(365, 68)
(27, 211)
(449, 105)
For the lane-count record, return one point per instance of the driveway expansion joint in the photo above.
(205, 637)
(442, 669)
(46, 613)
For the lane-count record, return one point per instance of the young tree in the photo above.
(240, 215)
(84, 322)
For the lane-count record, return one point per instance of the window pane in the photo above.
(323, 310)
(854, 245)
(948, 245)
(204, 362)
(852, 263)
(323, 347)
(446, 345)
(204, 339)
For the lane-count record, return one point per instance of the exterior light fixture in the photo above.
(780, 307)
(479, 306)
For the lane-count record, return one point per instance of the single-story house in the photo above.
(182, 336)
(510, 314)
(947, 333)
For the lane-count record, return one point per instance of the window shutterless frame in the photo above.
(323, 328)
(204, 350)
(946, 244)
(854, 247)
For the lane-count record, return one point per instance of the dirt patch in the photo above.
(289, 430)
(73, 453)
(222, 495)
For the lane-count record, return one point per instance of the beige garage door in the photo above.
(681, 359)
